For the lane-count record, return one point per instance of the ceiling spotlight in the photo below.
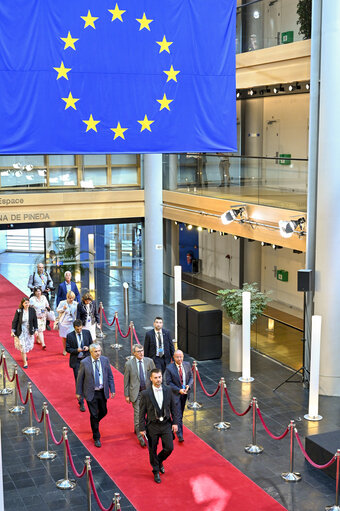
(236, 237)
(176, 223)
(278, 89)
(18, 173)
(307, 86)
(287, 228)
(41, 172)
(251, 92)
(199, 228)
(261, 92)
(264, 244)
(28, 168)
(238, 93)
(17, 165)
(267, 89)
(189, 227)
(294, 87)
(233, 214)
(211, 231)
(256, 14)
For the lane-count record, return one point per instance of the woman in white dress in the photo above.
(87, 313)
(67, 314)
(24, 326)
(41, 306)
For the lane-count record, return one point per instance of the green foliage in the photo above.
(232, 302)
(304, 12)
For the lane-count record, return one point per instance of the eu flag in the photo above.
(117, 76)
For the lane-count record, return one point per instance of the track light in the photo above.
(17, 165)
(176, 223)
(236, 237)
(264, 244)
(278, 89)
(199, 228)
(287, 228)
(233, 214)
(189, 227)
(307, 86)
(251, 92)
(294, 87)
(28, 168)
(238, 93)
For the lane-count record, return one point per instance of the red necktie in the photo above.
(180, 372)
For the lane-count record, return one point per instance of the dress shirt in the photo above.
(159, 347)
(68, 287)
(183, 373)
(158, 393)
(100, 372)
(25, 316)
(79, 341)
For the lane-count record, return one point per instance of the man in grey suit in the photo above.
(137, 378)
(94, 382)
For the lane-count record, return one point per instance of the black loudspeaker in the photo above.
(305, 280)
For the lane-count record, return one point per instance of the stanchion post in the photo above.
(101, 335)
(16, 408)
(116, 500)
(46, 454)
(116, 345)
(336, 507)
(88, 484)
(222, 426)
(4, 391)
(291, 476)
(194, 405)
(66, 483)
(30, 429)
(253, 448)
(131, 336)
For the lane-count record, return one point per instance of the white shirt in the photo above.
(161, 346)
(158, 393)
(100, 370)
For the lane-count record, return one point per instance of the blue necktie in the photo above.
(96, 375)
(141, 376)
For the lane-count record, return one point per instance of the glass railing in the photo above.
(266, 23)
(278, 182)
(269, 336)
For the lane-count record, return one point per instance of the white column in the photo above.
(327, 267)
(313, 405)
(92, 285)
(177, 293)
(246, 378)
(153, 229)
(77, 273)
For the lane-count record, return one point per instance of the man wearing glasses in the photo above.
(137, 378)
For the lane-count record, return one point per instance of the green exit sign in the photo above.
(287, 37)
(285, 159)
(282, 275)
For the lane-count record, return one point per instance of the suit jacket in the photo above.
(82, 313)
(131, 376)
(150, 346)
(172, 377)
(32, 321)
(72, 346)
(149, 410)
(85, 381)
(62, 292)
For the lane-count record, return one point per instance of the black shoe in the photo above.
(142, 442)
(48, 327)
(82, 407)
(97, 443)
(156, 477)
(162, 469)
(180, 439)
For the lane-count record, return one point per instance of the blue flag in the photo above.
(117, 76)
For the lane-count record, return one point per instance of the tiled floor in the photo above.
(30, 483)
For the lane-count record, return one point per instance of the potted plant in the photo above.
(304, 12)
(232, 305)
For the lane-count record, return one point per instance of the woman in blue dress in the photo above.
(67, 314)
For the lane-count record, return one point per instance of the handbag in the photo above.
(50, 316)
(58, 320)
(17, 343)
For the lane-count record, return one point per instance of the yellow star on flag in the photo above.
(62, 71)
(119, 131)
(116, 13)
(89, 20)
(145, 123)
(91, 124)
(70, 101)
(164, 102)
(171, 74)
(164, 45)
(144, 22)
(69, 41)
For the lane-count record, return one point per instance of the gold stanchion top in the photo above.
(65, 432)
(194, 363)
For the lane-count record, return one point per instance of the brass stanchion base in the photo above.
(116, 346)
(31, 430)
(221, 426)
(246, 380)
(100, 335)
(332, 508)
(16, 409)
(253, 449)
(128, 357)
(313, 418)
(46, 455)
(194, 405)
(5, 391)
(291, 477)
(66, 484)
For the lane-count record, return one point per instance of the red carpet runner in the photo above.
(196, 477)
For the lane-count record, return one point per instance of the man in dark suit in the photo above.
(180, 378)
(136, 379)
(158, 419)
(158, 345)
(95, 382)
(77, 345)
(66, 286)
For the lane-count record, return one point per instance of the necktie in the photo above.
(141, 376)
(180, 372)
(160, 347)
(96, 374)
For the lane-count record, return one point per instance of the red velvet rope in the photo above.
(35, 411)
(114, 319)
(135, 334)
(6, 372)
(51, 431)
(267, 430)
(315, 465)
(205, 392)
(231, 405)
(77, 474)
(100, 505)
(121, 333)
(19, 391)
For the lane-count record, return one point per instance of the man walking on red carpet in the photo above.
(158, 419)
(158, 345)
(94, 382)
(136, 379)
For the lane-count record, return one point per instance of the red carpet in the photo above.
(196, 476)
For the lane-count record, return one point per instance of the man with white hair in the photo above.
(66, 286)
